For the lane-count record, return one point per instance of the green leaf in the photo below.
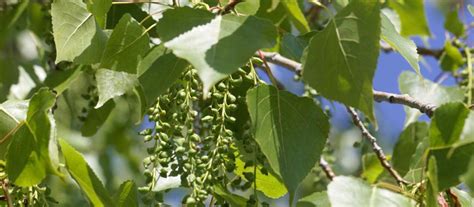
(162, 73)
(317, 199)
(372, 169)
(447, 124)
(296, 15)
(233, 199)
(412, 17)
(405, 148)
(183, 28)
(84, 176)
(33, 149)
(61, 80)
(432, 189)
(99, 9)
(451, 59)
(127, 195)
(126, 46)
(471, 9)
(426, 92)
(468, 177)
(269, 184)
(347, 191)
(73, 28)
(343, 67)
(292, 47)
(405, 46)
(464, 198)
(291, 131)
(12, 113)
(453, 24)
(96, 117)
(452, 163)
(112, 84)
(247, 7)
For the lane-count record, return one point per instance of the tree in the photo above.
(198, 82)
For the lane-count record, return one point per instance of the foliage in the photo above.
(131, 103)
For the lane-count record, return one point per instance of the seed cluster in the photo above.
(192, 136)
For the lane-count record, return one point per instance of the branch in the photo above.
(379, 96)
(326, 168)
(375, 147)
(230, 6)
(436, 53)
(406, 100)
(6, 193)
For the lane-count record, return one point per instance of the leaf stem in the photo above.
(268, 70)
(469, 76)
(375, 147)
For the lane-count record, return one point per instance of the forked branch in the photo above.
(375, 147)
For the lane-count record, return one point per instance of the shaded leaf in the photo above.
(112, 84)
(412, 17)
(347, 191)
(96, 118)
(432, 189)
(452, 162)
(340, 61)
(453, 24)
(406, 146)
(99, 9)
(233, 199)
(447, 124)
(291, 131)
(182, 28)
(405, 46)
(85, 176)
(127, 195)
(162, 73)
(126, 46)
(317, 199)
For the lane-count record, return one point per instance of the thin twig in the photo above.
(230, 6)
(436, 53)
(6, 193)
(327, 169)
(268, 70)
(375, 147)
(379, 96)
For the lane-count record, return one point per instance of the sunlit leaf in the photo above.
(182, 28)
(85, 176)
(412, 17)
(348, 191)
(426, 92)
(405, 46)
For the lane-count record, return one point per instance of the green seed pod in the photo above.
(232, 107)
(195, 138)
(190, 201)
(207, 118)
